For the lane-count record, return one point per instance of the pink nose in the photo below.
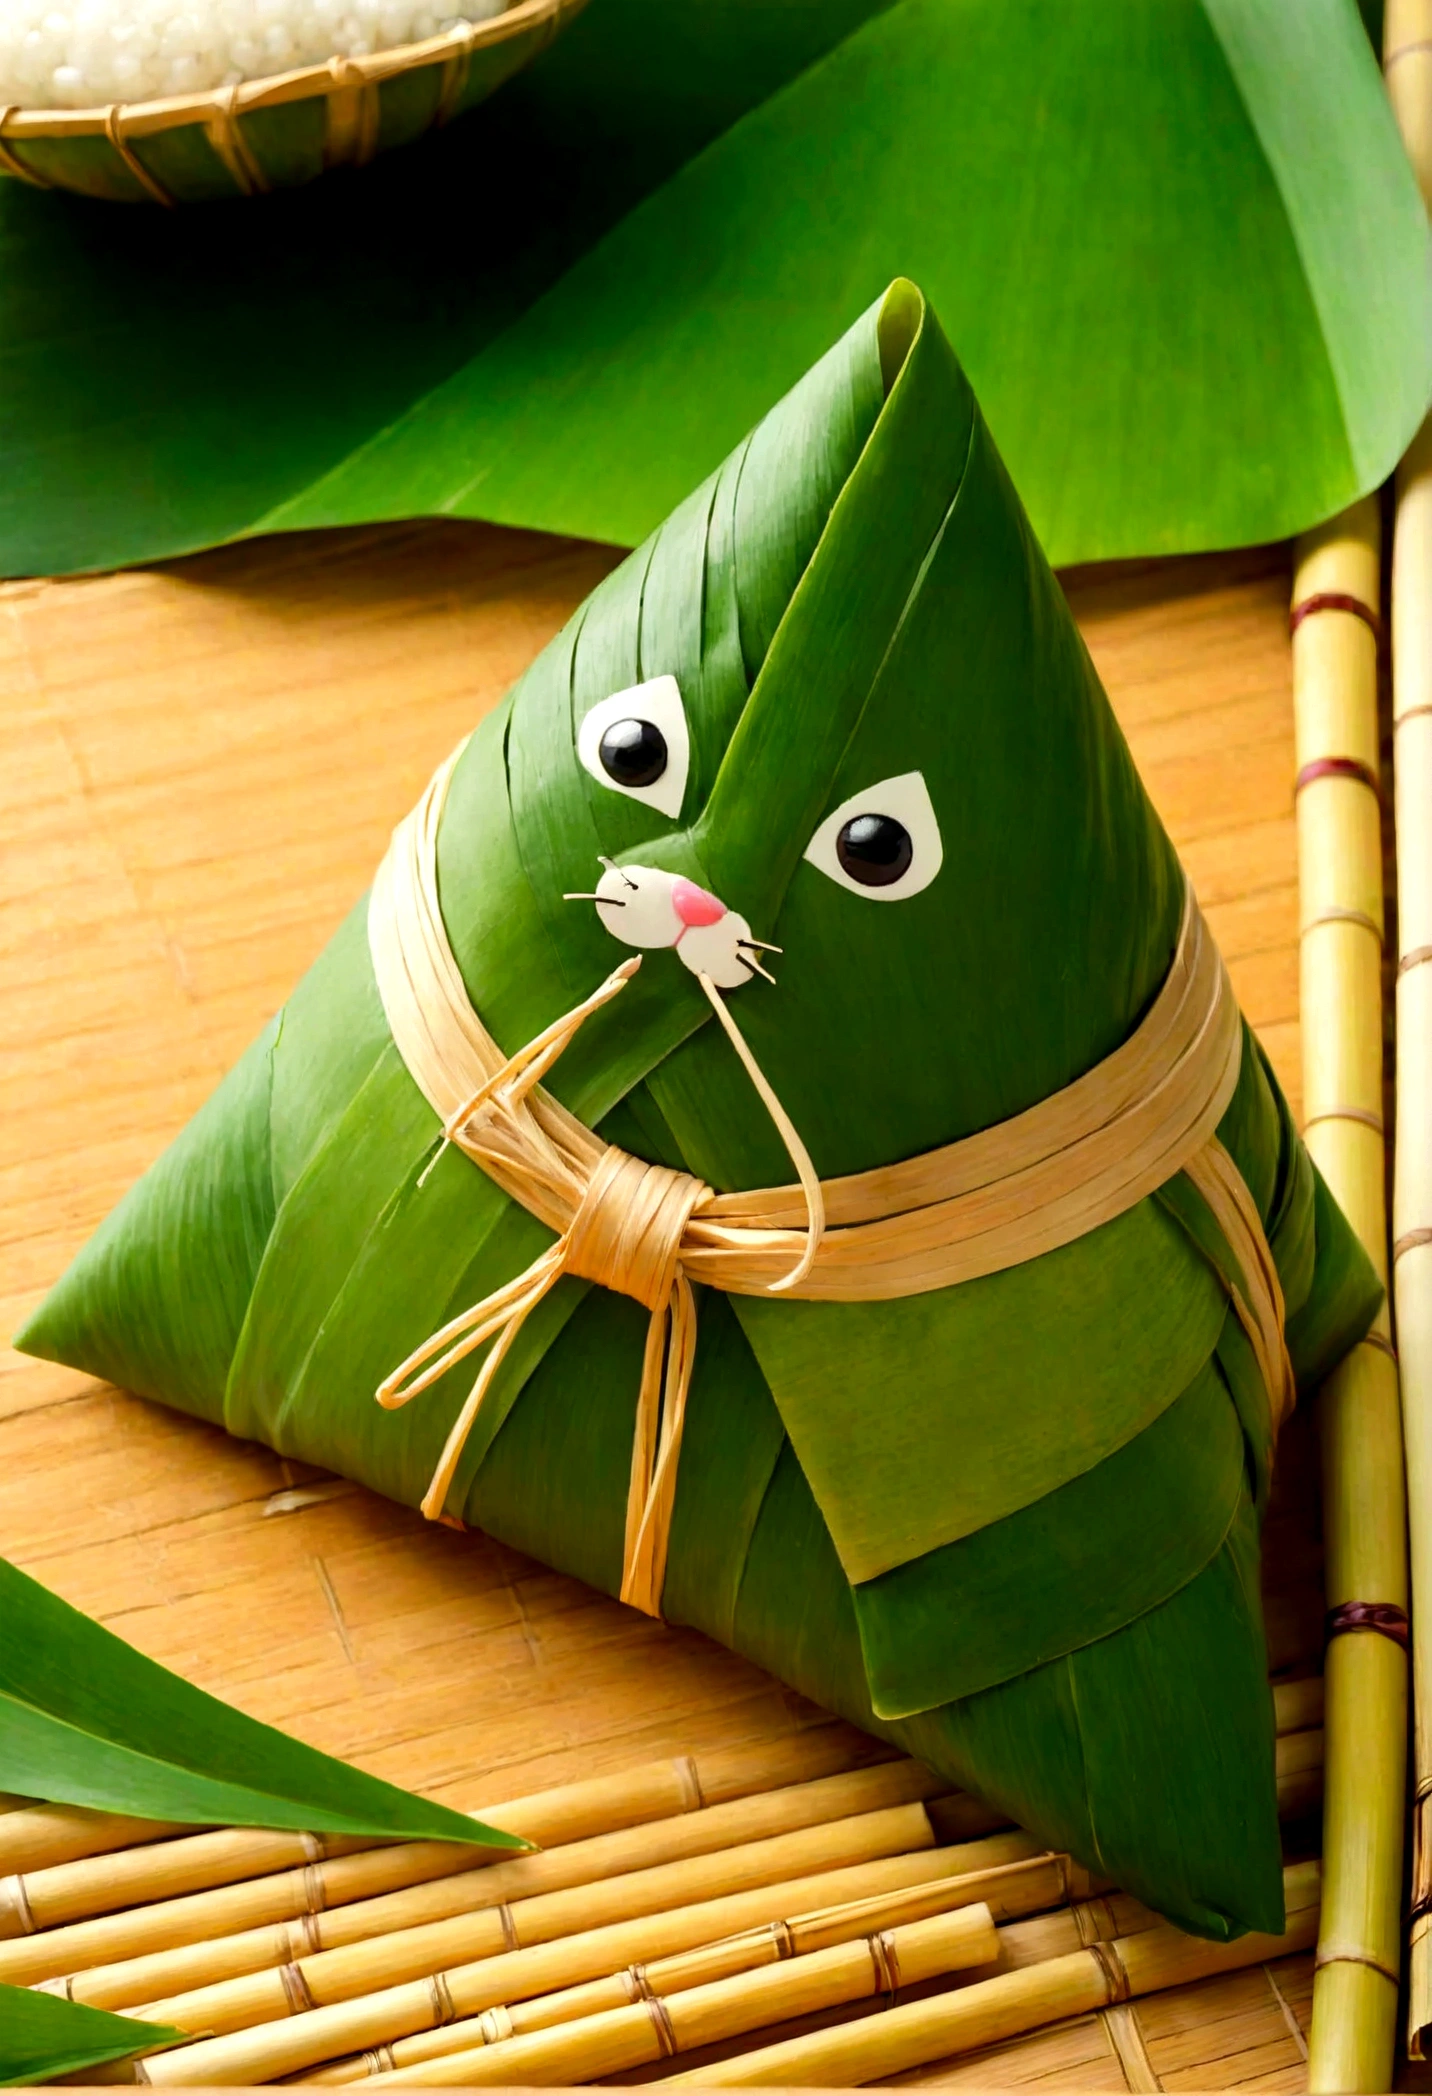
(693, 905)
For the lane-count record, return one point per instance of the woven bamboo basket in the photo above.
(279, 132)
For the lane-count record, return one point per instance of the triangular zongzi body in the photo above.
(1011, 1523)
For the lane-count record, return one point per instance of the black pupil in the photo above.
(874, 850)
(633, 752)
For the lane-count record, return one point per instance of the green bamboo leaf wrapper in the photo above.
(87, 1720)
(42, 2036)
(1012, 1525)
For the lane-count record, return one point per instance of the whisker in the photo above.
(748, 960)
(620, 871)
(612, 902)
(761, 945)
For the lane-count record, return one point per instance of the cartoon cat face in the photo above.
(883, 751)
(883, 842)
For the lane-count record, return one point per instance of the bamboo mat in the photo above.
(199, 767)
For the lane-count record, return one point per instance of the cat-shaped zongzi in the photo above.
(836, 705)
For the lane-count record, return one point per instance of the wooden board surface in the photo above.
(199, 768)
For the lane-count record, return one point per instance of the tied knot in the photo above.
(626, 1235)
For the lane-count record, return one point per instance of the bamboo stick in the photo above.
(685, 1783)
(1005, 2006)
(1015, 1888)
(1407, 65)
(1412, 1196)
(222, 1948)
(1298, 1705)
(341, 1975)
(1300, 1772)
(1340, 881)
(46, 1899)
(34, 1837)
(305, 2039)
(655, 2026)
(573, 1812)
(1407, 59)
(98, 1943)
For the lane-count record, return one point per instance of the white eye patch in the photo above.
(884, 842)
(636, 743)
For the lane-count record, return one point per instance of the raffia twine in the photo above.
(1044, 1178)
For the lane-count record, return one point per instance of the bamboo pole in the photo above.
(986, 2012)
(228, 1939)
(654, 2026)
(1412, 1196)
(34, 1837)
(333, 1976)
(1407, 59)
(1300, 1772)
(1335, 597)
(1298, 1705)
(570, 1813)
(1037, 1882)
(305, 2039)
(46, 1899)
(1018, 1889)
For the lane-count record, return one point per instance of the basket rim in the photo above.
(223, 104)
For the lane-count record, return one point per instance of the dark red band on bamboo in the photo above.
(1335, 600)
(1337, 768)
(440, 1994)
(1385, 1617)
(1409, 1241)
(1414, 959)
(1419, 43)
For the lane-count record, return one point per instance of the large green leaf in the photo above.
(42, 2036)
(87, 1720)
(1176, 243)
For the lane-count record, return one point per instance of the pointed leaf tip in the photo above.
(87, 1720)
(43, 2035)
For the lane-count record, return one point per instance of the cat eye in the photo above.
(636, 743)
(633, 753)
(883, 842)
(875, 850)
